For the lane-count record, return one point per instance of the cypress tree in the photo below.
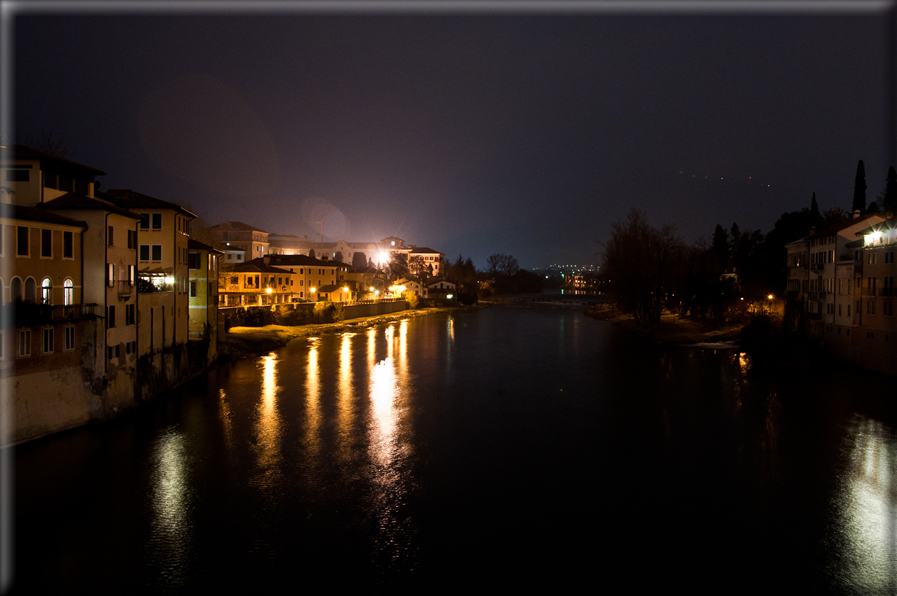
(889, 204)
(859, 189)
(815, 218)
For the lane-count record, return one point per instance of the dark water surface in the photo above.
(498, 449)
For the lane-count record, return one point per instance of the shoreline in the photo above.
(672, 330)
(245, 342)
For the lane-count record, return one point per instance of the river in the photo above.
(500, 449)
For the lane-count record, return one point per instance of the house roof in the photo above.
(437, 280)
(843, 225)
(423, 249)
(237, 225)
(34, 214)
(301, 261)
(197, 245)
(23, 152)
(888, 224)
(255, 266)
(129, 199)
(73, 200)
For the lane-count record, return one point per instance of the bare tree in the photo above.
(642, 264)
(48, 141)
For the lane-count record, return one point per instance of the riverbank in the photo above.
(244, 342)
(672, 328)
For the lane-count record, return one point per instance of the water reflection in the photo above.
(268, 428)
(312, 401)
(389, 447)
(172, 531)
(345, 398)
(226, 421)
(870, 505)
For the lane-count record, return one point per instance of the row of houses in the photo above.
(284, 279)
(106, 299)
(840, 290)
(241, 243)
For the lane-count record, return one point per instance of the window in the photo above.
(132, 238)
(69, 332)
(157, 221)
(68, 292)
(144, 221)
(110, 274)
(889, 257)
(130, 314)
(144, 252)
(68, 245)
(15, 290)
(109, 236)
(24, 343)
(110, 317)
(46, 290)
(157, 252)
(193, 289)
(22, 241)
(132, 274)
(30, 290)
(47, 340)
(114, 351)
(46, 243)
(17, 175)
(193, 260)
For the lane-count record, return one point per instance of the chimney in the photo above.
(812, 230)
(856, 213)
(266, 260)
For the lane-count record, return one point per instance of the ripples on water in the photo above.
(500, 448)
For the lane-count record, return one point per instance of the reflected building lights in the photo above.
(870, 507)
(345, 397)
(171, 531)
(268, 426)
(312, 399)
(227, 423)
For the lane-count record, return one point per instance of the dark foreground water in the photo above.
(503, 449)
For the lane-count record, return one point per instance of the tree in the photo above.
(338, 256)
(398, 265)
(720, 246)
(50, 142)
(859, 189)
(311, 253)
(889, 201)
(814, 210)
(359, 261)
(642, 265)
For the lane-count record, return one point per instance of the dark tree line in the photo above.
(649, 269)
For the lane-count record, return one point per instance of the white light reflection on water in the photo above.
(388, 448)
(227, 422)
(268, 428)
(869, 507)
(172, 531)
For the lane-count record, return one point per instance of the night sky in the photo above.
(522, 129)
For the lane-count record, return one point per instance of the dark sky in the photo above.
(521, 130)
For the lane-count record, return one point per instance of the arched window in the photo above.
(15, 290)
(46, 291)
(68, 292)
(30, 290)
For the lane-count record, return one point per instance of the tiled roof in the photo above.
(73, 200)
(35, 214)
(130, 199)
(302, 261)
(423, 249)
(255, 266)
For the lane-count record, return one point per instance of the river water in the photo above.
(504, 448)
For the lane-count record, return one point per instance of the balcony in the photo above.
(125, 289)
(28, 314)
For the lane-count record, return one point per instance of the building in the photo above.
(425, 262)
(240, 242)
(839, 290)
(202, 321)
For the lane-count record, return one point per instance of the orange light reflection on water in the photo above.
(269, 427)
